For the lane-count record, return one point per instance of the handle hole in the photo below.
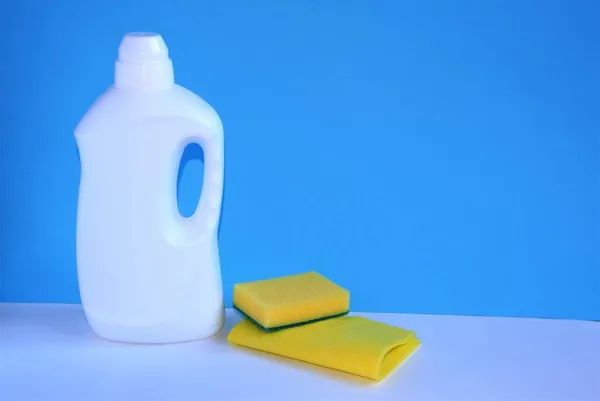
(190, 179)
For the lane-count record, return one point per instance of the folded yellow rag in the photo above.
(351, 344)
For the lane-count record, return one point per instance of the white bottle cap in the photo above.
(143, 62)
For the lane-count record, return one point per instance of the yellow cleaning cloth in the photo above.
(351, 344)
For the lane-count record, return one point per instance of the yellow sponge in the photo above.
(290, 301)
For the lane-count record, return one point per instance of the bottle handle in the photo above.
(189, 230)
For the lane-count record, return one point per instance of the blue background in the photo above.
(432, 156)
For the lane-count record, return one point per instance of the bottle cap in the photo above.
(143, 62)
(143, 47)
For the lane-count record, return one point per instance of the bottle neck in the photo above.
(144, 75)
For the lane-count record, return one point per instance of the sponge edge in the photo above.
(290, 301)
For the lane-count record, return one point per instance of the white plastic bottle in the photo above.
(147, 274)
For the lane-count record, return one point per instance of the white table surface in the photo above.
(48, 352)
